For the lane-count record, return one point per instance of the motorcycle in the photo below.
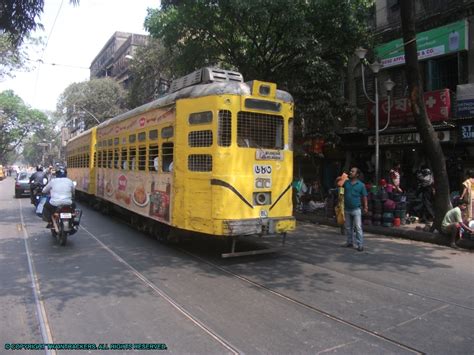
(65, 222)
(36, 191)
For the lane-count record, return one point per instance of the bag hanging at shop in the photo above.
(339, 209)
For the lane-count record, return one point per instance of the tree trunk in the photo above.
(429, 138)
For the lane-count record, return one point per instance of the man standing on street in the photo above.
(355, 194)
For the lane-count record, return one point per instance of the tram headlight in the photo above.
(262, 198)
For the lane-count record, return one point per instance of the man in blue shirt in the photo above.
(355, 195)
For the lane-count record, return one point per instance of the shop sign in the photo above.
(467, 132)
(433, 43)
(406, 138)
(438, 107)
(465, 100)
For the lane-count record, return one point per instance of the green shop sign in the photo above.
(433, 43)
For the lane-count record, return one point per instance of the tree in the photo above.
(290, 42)
(429, 138)
(17, 121)
(150, 68)
(92, 101)
(18, 18)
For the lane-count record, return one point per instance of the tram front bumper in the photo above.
(258, 226)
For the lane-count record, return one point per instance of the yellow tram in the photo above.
(214, 156)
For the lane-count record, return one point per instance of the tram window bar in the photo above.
(257, 130)
(110, 157)
(124, 158)
(200, 138)
(132, 158)
(224, 128)
(167, 153)
(141, 158)
(200, 162)
(153, 158)
(116, 159)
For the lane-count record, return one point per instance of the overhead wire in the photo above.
(44, 49)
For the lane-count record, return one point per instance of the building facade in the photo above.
(113, 60)
(445, 42)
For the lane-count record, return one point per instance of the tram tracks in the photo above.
(261, 287)
(307, 306)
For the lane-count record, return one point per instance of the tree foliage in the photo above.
(290, 42)
(92, 101)
(34, 150)
(18, 18)
(150, 68)
(17, 121)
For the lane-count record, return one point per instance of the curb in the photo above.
(400, 232)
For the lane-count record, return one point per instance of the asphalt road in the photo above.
(114, 285)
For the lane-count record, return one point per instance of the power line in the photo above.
(45, 47)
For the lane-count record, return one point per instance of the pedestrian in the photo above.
(395, 176)
(452, 223)
(426, 193)
(467, 193)
(355, 196)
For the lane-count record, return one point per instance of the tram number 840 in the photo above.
(262, 169)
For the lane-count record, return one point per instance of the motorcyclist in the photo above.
(38, 178)
(61, 190)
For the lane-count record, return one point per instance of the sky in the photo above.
(73, 36)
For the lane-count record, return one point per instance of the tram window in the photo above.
(225, 128)
(167, 132)
(256, 130)
(95, 159)
(99, 161)
(141, 158)
(110, 158)
(290, 134)
(116, 141)
(200, 162)
(116, 159)
(200, 138)
(167, 153)
(153, 158)
(200, 117)
(142, 136)
(124, 158)
(87, 160)
(153, 134)
(132, 138)
(111, 142)
(133, 158)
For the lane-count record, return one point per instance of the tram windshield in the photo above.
(256, 130)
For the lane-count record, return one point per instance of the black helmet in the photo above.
(39, 168)
(61, 172)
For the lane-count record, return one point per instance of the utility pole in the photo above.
(429, 138)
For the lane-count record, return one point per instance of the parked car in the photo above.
(22, 184)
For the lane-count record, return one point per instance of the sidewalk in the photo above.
(412, 231)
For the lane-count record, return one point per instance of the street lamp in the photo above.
(389, 84)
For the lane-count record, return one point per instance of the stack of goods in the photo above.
(388, 208)
(377, 209)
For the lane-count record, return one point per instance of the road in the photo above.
(114, 285)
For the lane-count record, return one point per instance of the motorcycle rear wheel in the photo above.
(62, 238)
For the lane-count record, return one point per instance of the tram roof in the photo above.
(201, 90)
